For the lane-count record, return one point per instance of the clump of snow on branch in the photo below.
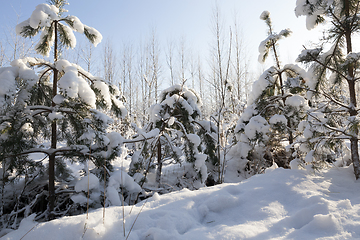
(104, 91)
(248, 113)
(171, 121)
(70, 35)
(100, 116)
(120, 179)
(97, 37)
(297, 69)
(119, 104)
(266, 44)
(277, 118)
(42, 19)
(195, 139)
(312, 11)
(309, 157)
(272, 39)
(27, 128)
(199, 163)
(88, 135)
(176, 94)
(87, 182)
(43, 15)
(308, 54)
(201, 166)
(296, 101)
(24, 71)
(77, 26)
(73, 86)
(8, 76)
(7, 81)
(257, 126)
(264, 15)
(58, 99)
(261, 84)
(351, 58)
(55, 115)
(115, 139)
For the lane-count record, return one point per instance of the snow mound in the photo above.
(281, 204)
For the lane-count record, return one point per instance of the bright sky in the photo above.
(129, 20)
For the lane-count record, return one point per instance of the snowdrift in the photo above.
(281, 204)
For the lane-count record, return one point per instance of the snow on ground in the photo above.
(281, 204)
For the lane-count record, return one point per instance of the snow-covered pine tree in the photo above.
(274, 110)
(57, 105)
(334, 72)
(176, 140)
(209, 134)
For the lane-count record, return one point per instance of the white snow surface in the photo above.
(281, 204)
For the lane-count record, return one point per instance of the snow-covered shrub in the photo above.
(176, 139)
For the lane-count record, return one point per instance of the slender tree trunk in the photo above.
(353, 140)
(219, 147)
(53, 137)
(159, 168)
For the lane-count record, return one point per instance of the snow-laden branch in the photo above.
(331, 128)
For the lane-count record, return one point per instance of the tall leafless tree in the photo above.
(109, 66)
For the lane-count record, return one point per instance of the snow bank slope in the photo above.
(282, 204)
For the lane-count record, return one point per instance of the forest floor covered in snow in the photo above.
(280, 204)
